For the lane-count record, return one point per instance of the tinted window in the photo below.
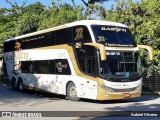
(25, 43)
(113, 36)
(25, 66)
(35, 41)
(82, 63)
(81, 33)
(86, 51)
(87, 59)
(46, 67)
(121, 64)
(91, 65)
(64, 36)
(39, 67)
(9, 46)
(62, 67)
(49, 39)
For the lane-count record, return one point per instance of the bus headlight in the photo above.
(106, 88)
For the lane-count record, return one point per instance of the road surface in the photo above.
(11, 100)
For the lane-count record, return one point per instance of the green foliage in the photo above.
(18, 20)
(8, 20)
(7, 24)
(1, 51)
(36, 8)
(59, 14)
(28, 22)
(95, 10)
(93, 1)
(29, 19)
(144, 21)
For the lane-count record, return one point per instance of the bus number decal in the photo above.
(60, 66)
(101, 39)
(61, 55)
(79, 33)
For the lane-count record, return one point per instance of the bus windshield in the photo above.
(113, 36)
(121, 64)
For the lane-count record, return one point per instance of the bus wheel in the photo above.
(20, 85)
(14, 85)
(72, 92)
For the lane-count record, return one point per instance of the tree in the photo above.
(60, 13)
(93, 1)
(36, 8)
(144, 21)
(30, 19)
(27, 23)
(8, 20)
(95, 12)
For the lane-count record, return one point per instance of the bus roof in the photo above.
(82, 22)
(95, 22)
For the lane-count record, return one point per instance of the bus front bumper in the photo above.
(118, 95)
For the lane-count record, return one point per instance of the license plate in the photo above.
(126, 95)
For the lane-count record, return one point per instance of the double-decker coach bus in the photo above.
(85, 59)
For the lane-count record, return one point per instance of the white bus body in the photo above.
(58, 67)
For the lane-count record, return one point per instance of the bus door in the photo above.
(88, 66)
(87, 88)
(91, 89)
(86, 56)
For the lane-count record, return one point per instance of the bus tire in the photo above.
(20, 85)
(14, 85)
(72, 92)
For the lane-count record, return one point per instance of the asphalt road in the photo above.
(11, 100)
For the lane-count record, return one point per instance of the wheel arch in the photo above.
(20, 78)
(14, 79)
(70, 81)
(70, 96)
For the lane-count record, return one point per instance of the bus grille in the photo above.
(125, 90)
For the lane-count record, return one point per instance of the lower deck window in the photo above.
(58, 66)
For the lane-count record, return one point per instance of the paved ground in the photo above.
(11, 100)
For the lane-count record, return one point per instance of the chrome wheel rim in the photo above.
(73, 91)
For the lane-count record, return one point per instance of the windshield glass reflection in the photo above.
(113, 36)
(121, 64)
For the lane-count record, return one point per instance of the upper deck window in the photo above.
(81, 34)
(9, 46)
(113, 36)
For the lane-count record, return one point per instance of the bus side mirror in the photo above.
(150, 50)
